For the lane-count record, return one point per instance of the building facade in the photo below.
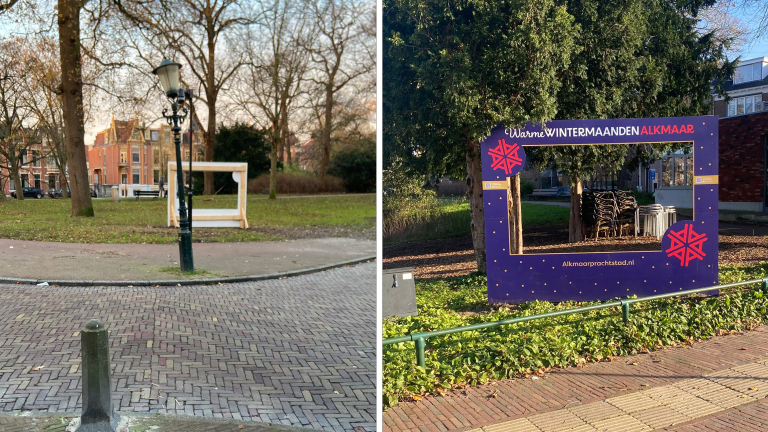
(129, 153)
(38, 169)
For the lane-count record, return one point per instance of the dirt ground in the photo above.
(450, 257)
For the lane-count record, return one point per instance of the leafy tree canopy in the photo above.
(453, 70)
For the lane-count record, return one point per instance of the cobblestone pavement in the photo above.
(711, 385)
(297, 351)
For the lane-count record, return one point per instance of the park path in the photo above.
(720, 385)
(136, 262)
(297, 351)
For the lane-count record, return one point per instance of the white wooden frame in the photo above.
(235, 218)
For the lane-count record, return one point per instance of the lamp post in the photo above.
(168, 73)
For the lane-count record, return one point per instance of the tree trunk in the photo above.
(576, 228)
(287, 138)
(19, 186)
(475, 194)
(72, 100)
(273, 167)
(515, 216)
(326, 135)
(63, 183)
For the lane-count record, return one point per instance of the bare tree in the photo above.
(200, 33)
(274, 76)
(343, 51)
(42, 98)
(727, 27)
(17, 129)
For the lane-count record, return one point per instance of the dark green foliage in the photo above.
(454, 70)
(513, 350)
(526, 187)
(237, 143)
(356, 166)
(639, 58)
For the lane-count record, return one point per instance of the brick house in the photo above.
(38, 170)
(129, 153)
(744, 138)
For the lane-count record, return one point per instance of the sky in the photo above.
(754, 47)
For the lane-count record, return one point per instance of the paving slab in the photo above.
(151, 262)
(297, 351)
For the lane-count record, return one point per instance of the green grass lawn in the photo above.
(452, 218)
(478, 357)
(144, 220)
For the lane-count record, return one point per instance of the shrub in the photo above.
(405, 202)
(452, 188)
(356, 166)
(297, 183)
(509, 351)
(526, 187)
(644, 198)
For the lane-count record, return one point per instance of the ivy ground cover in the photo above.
(477, 357)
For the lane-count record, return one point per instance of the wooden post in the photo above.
(515, 216)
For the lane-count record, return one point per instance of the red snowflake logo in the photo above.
(686, 245)
(505, 156)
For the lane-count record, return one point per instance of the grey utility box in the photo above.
(398, 292)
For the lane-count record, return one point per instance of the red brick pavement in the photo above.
(463, 410)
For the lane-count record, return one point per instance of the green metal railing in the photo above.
(420, 339)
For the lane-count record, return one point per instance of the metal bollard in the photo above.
(98, 414)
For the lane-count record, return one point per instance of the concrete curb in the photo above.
(149, 417)
(186, 282)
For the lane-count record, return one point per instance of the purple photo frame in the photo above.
(688, 255)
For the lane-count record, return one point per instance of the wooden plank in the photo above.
(214, 217)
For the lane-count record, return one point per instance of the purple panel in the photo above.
(688, 255)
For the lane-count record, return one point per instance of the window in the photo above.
(136, 176)
(135, 155)
(37, 181)
(123, 158)
(51, 181)
(35, 159)
(677, 170)
(155, 136)
(753, 72)
(124, 178)
(745, 105)
(24, 181)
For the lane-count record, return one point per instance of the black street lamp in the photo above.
(168, 73)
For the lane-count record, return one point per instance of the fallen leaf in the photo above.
(753, 388)
(240, 427)
(417, 397)
(38, 368)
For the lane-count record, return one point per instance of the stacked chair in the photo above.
(625, 205)
(598, 211)
(609, 212)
